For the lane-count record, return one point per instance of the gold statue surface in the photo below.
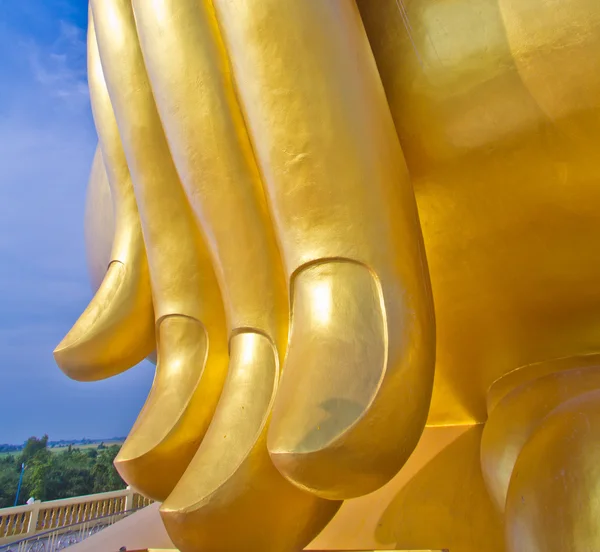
(308, 208)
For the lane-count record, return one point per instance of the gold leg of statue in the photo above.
(538, 454)
(294, 185)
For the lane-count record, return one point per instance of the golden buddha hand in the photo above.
(253, 164)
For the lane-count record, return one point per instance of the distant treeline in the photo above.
(62, 443)
(11, 448)
(53, 475)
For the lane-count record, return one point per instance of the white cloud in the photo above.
(60, 67)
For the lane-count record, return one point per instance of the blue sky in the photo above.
(47, 141)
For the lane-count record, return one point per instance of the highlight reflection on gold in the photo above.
(322, 303)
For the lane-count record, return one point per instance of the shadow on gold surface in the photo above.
(431, 503)
(437, 505)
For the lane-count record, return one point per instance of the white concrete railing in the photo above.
(24, 521)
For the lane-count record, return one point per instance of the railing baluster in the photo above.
(40, 527)
(24, 522)
(11, 525)
(44, 520)
(41, 519)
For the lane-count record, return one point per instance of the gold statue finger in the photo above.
(190, 326)
(356, 384)
(99, 224)
(231, 482)
(116, 331)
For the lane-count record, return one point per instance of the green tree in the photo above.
(53, 475)
(32, 446)
(71, 474)
(106, 477)
(9, 480)
(37, 474)
(92, 453)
